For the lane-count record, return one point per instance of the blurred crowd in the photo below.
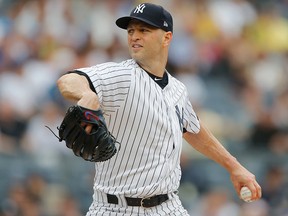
(231, 54)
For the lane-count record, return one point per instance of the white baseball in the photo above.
(246, 194)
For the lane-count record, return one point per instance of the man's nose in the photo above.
(135, 36)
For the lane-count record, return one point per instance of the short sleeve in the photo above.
(191, 120)
(111, 82)
(93, 73)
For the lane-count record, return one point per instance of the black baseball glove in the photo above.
(98, 145)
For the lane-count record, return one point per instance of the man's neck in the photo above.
(156, 69)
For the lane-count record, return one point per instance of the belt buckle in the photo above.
(142, 202)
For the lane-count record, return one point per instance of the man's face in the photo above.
(145, 42)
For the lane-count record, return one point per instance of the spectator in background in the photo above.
(275, 189)
(217, 202)
(21, 202)
(47, 152)
(12, 128)
(260, 208)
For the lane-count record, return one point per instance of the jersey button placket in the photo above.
(170, 113)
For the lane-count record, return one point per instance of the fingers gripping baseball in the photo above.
(246, 181)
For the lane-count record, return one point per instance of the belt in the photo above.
(143, 202)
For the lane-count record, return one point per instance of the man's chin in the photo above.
(136, 58)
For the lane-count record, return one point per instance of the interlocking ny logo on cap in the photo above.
(139, 8)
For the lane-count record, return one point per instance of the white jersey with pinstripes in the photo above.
(148, 123)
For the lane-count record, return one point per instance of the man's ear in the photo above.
(167, 38)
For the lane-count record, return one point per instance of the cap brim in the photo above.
(123, 22)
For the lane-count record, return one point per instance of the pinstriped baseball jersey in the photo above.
(148, 122)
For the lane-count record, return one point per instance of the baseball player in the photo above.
(148, 112)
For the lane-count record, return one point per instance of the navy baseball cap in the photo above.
(154, 15)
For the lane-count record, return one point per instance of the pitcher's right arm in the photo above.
(76, 88)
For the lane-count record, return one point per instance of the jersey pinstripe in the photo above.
(148, 123)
